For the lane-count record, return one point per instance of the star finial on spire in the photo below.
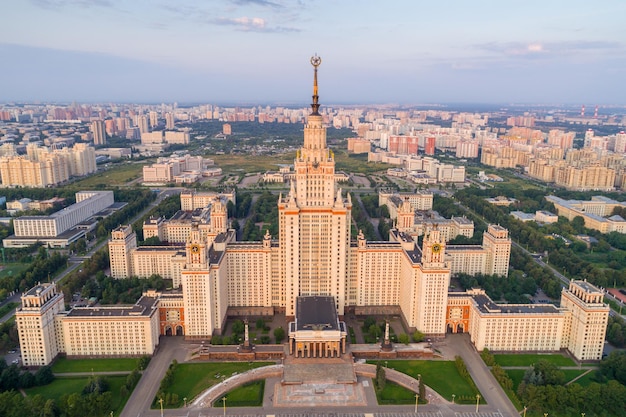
(315, 61)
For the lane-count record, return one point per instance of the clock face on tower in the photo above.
(195, 248)
(436, 248)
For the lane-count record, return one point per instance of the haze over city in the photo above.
(252, 51)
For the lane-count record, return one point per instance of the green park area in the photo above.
(441, 376)
(357, 163)
(115, 175)
(67, 386)
(12, 269)
(188, 380)
(522, 359)
(63, 365)
(237, 164)
(248, 395)
(394, 394)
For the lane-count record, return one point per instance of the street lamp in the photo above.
(477, 401)
(161, 402)
(417, 396)
(582, 414)
(524, 411)
(185, 400)
(545, 414)
(224, 400)
(453, 396)
(386, 364)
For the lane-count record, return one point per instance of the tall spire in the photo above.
(315, 106)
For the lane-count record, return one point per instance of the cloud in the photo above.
(548, 49)
(263, 3)
(240, 23)
(59, 4)
(250, 24)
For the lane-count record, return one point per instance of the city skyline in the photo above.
(252, 51)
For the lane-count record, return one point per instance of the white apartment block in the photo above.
(417, 223)
(45, 329)
(594, 212)
(35, 321)
(148, 138)
(171, 169)
(42, 167)
(177, 138)
(87, 204)
(50, 229)
(393, 201)
(191, 199)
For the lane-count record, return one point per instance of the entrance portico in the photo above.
(316, 331)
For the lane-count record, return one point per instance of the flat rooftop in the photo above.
(486, 305)
(316, 313)
(144, 307)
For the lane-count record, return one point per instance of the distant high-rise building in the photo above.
(142, 123)
(620, 142)
(154, 119)
(169, 120)
(99, 134)
(227, 129)
(429, 145)
(110, 127)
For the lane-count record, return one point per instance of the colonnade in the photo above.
(317, 349)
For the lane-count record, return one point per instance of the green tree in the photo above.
(614, 366)
(381, 377)
(578, 224)
(279, 334)
(44, 375)
(418, 336)
(238, 327)
(260, 324)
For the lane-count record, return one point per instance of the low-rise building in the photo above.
(593, 212)
(58, 229)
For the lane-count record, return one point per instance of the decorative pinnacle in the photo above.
(315, 61)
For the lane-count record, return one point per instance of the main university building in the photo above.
(215, 276)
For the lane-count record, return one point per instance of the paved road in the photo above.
(170, 348)
(459, 344)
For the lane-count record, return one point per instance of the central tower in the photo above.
(314, 219)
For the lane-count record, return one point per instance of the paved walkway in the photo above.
(170, 348)
(366, 406)
(490, 389)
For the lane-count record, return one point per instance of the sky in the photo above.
(258, 51)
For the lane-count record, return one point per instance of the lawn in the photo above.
(231, 164)
(586, 380)
(573, 373)
(441, 376)
(357, 163)
(190, 379)
(12, 269)
(516, 376)
(117, 174)
(527, 359)
(248, 395)
(394, 394)
(63, 365)
(61, 386)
